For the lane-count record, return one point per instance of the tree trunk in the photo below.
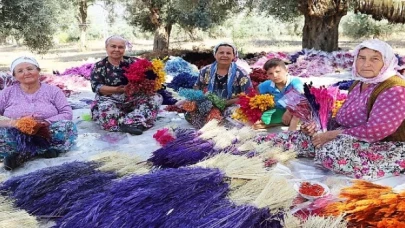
(82, 18)
(161, 39)
(321, 33)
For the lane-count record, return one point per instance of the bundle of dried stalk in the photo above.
(270, 191)
(11, 217)
(367, 204)
(236, 167)
(291, 221)
(278, 154)
(122, 163)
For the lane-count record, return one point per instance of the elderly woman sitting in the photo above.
(223, 78)
(370, 141)
(46, 103)
(112, 109)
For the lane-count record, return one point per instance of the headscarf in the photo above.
(23, 59)
(235, 51)
(117, 37)
(231, 72)
(390, 61)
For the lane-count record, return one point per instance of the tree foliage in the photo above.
(359, 25)
(159, 16)
(34, 22)
(322, 17)
(187, 13)
(285, 10)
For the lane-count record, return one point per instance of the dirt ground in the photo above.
(68, 55)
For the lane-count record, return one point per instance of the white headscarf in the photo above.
(117, 37)
(235, 51)
(390, 61)
(23, 59)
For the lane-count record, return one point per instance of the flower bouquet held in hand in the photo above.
(325, 98)
(144, 77)
(317, 105)
(31, 135)
(300, 107)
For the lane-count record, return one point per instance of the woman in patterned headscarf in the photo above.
(112, 109)
(371, 138)
(224, 77)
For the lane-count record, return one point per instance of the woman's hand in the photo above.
(120, 89)
(44, 123)
(232, 101)
(308, 128)
(320, 139)
(180, 103)
(8, 123)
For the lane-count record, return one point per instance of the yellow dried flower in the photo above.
(263, 102)
(238, 115)
(158, 69)
(336, 106)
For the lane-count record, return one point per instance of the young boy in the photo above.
(279, 84)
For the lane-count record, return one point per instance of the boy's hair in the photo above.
(274, 63)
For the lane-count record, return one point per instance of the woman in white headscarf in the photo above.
(370, 141)
(112, 110)
(29, 97)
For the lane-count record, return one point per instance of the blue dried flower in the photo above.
(183, 80)
(191, 94)
(204, 106)
(177, 65)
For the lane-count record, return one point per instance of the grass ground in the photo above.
(68, 55)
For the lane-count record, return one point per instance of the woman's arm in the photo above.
(199, 84)
(386, 116)
(7, 123)
(97, 81)
(231, 101)
(109, 90)
(62, 105)
(321, 138)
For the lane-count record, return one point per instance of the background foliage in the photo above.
(40, 24)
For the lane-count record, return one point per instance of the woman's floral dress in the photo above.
(63, 136)
(110, 112)
(345, 154)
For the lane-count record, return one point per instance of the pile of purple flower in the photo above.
(83, 70)
(311, 63)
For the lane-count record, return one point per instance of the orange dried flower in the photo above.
(215, 113)
(390, 223)
(26, 125)
(369, 205)
(189, 106)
